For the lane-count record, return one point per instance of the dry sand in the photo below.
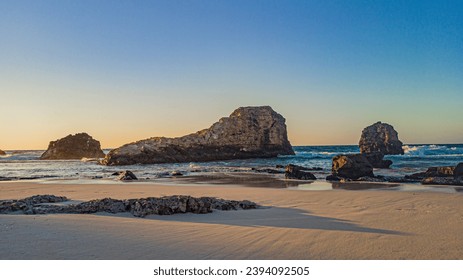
(297, 224)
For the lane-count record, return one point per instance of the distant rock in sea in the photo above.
(377, 140)
(74, 147)
(249, 132)
(2, 153)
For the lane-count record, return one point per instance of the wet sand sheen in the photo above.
(296, 224)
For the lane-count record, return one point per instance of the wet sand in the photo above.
(294, 224)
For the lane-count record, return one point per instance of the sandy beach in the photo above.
(293, 224)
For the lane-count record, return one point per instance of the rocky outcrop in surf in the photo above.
(76, 146)
(298, 172)
(249, 132)
(2, 153)
(377, 140)
(351, 167)
(141, 207)
(440, 175)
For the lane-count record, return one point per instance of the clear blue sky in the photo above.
(128, 70)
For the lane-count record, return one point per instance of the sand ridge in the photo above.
(295, 224)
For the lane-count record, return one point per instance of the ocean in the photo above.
(25, 164)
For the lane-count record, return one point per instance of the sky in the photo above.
(128, 70)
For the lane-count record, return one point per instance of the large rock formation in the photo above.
(2, 153)
(74, 147)
(380, 137)
(377, 140)
(249, 132)
(351, 166)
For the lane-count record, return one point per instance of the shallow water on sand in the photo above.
(26, 164)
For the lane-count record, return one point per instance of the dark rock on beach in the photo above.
(74, 147)
(298, 172)
(2, 153)
(440, 175)
(380, 137)
(351, 166)
(439, 171)
(27, 204)
(125, 175)
(249, 132)
(442, 181)
(141, 207)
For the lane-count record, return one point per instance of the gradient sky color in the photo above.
(128, 70)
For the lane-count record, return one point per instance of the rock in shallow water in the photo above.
(351, 166)
(76, 146)
(2, 153)
(125, 175)
(437, 171)
(442, 181)
(249, 132)
(298, 172)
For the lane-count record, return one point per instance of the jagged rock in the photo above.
(442, 181)
(439, 171)
(351, 166)
(141, 207)
(75, 146)
(176, 173)
(458, 171)
(2, 153)
(249, 132)
(279, 166)
(380, 137)
(26, 204)
(126, 176)
(298, 172)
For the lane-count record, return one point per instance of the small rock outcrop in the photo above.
(75, 146)
(377, 140)
(141, 207)
(439, 171)
(249, 132)
(2, 153)
(298, 172)
(440, 175)
(443, 181)
(125, 175)
(351, 166)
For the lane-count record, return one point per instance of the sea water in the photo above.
(27, 165)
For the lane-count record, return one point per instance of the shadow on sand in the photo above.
(274, 217)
